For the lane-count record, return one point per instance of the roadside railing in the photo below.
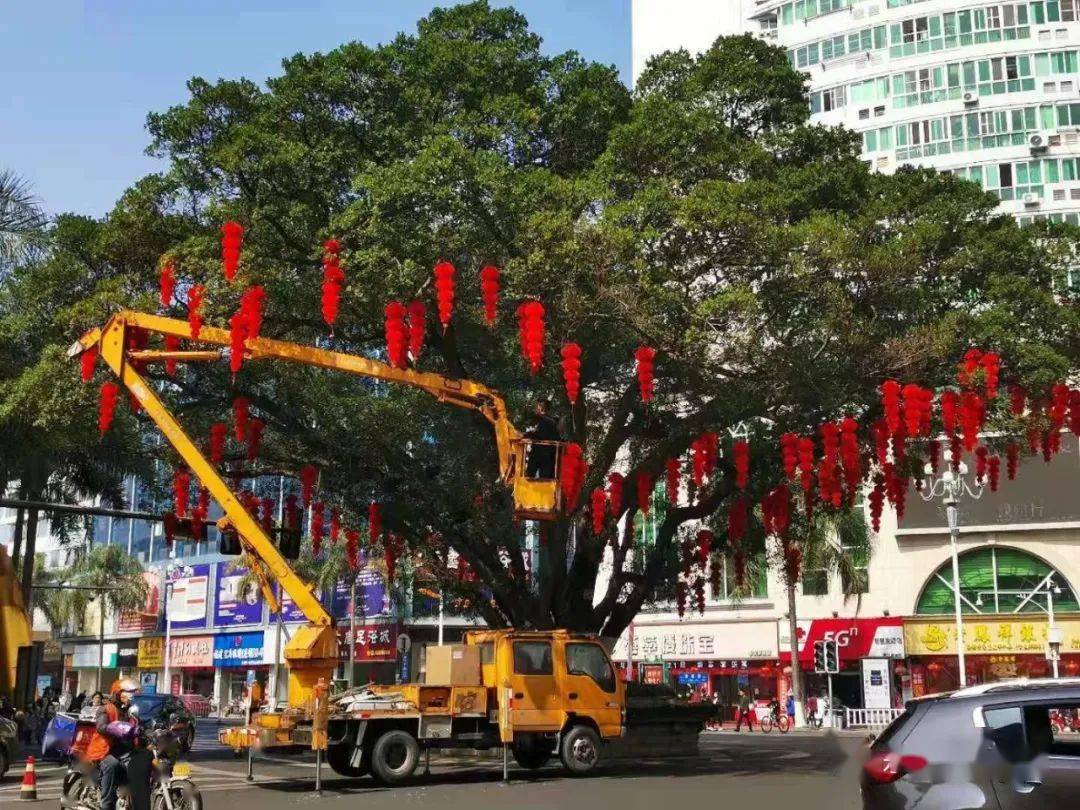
(870, 718)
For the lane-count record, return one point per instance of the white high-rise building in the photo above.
(989, 91)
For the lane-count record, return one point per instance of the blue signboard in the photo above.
(188, 591)
(692, 678)
(238, 649)
(371, 596)
(235, 605)
(289, 611)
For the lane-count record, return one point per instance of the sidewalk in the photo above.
(801, 732)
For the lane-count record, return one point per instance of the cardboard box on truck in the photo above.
(453, 665)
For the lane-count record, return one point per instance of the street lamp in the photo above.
(950, 486)
(1048, 588)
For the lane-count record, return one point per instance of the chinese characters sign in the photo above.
(855, 638)
(374, 642)
(192, 651)
(987, 635)
(693, 642)
(238, 649)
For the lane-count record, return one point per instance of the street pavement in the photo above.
(804, 771)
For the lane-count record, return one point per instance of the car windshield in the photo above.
(149, 705)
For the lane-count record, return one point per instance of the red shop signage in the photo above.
(856, 638)
(374, 642)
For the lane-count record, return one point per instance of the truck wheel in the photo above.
(394, 757)
(338, 756)
(580, 750)
(530, 755)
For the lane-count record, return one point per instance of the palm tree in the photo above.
(20, 218)
(832, 542)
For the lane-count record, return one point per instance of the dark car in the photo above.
(1008, 746)
(9, 744)
(167, 712)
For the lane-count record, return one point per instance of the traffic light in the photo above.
(832, 656)
(819, 657)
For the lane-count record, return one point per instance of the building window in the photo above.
(856, 579)
(815, 582)
(832, 99)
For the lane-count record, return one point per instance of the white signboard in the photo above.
(86, 655)
(877, 693)
(699, 642)
(187, 601)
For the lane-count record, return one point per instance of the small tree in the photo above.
(21, 218)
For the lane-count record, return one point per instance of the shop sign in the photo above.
(855, 638)
(86, 656)
(371, 597)
(127, 654)
(146, 619)
(187, 602)
(693, 642)
(877, 688)
(986, 635)
(231, 606)
(692, 678)
(191, 651)
(51, 651)
(151, 653)
(238, 649)
(652, 674)
(374, 642)
(148, 683)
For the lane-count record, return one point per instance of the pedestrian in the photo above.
(540, 463)
(77, 703)
(812, 709)
(744, 712)
(791, 708)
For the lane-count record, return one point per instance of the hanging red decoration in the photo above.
(646, 360)
(898, 443)
(950, 407)
(241, 407)
(352, 549)
(673, 472)
(292, 513)
(332, 281)
(789, 453)
(87, 361)
(972, 414)
(991, 364)
(849, 455)
(890, 404)
(1059, 405)
(195, 296)
(252, 304)
(993, 472)
(716, 575)
(965, 374)
(1051, 445)
(877, 502)
(880, 432)
(739, 560)
(172, 344)
(616, 482)
(308, 475)
(444, 292)
(169, 526)
(218, 432)
(956, 450)
(199, 514)
(680, 598)
(806, 463)
(417, 324)
(181, 483)
(1034, 438)
(335, 525)
(644, 492)
(317, 530)
(740, 452)
(167, 283)
(697, 461)
(238, 327)
(1074, 411)
(981, 457)
(232, 237)
(489, 291)
(531, 333)
(933, 449)
(571, 369)
(375, 527)
(267, 509)
(107, 405)
(570, 473)
(828, 487)
(396, 335)
(1017, 397)
(699, 594)
(738, 520)
(597, 507)
(704, 548)
(255, 430)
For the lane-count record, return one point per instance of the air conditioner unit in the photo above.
(1039, 141)
(971, 98)
(1031, 200)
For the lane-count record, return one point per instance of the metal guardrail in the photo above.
(870, 718)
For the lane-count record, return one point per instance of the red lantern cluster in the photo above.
(531, 333)
(673, 473)
(716, 576)
(444, 292)
(335, 525)
(200, 513)
(571, 369)
(704, 450)
(317, 529)
(87, 361)
(806, 464)
(918, 406)
(991, 364)
(616, 482)
(374, 516)
(417, 318)
(107, 405)
(644, 491)
(167, 283)
(572, 474)
(597, 507)
(195, 295)
(646, 359)
(252, 303)
(972, 416)
(218, 431)
(489, 291)
(776, 511)
(789, 453)
(981, 457)
(877, 502)
(232, 237)
(993, 471)
(738, 520)
(172, 344)
(933, 449)
(1017, 398)
(890, 404)
(255, 430)
(241, 408)
(332, 281)
(950, 408)
(352, 549)
(680, 598)
(396, 334)
(309, 474)
(238, 326)
(181, 483)
(740, 452)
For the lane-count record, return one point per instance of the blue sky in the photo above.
(77, 77)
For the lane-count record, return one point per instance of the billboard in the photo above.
(187, 603)
(232, 604)
(238, 649)
(371, 596)
(145, 620)
(374, 642)
(855, 638)
(289, 611)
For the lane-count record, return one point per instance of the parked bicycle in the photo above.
(775, 719)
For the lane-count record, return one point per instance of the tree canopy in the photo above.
(778, 278)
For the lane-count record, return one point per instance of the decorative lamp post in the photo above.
(950, 486)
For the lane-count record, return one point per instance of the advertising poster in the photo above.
(371, 596)
(148, 683)
(145, 620)
(374, 642)
(188, 600)
(877, 693)
(289, 611)
(238, 649)
(151, 653)
(231, 607)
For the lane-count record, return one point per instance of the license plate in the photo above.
(181, 769)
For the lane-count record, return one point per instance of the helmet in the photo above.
(123, 685)
(133, 710)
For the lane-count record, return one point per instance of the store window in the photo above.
(998, 579)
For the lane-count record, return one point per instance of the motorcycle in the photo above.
(154, 759)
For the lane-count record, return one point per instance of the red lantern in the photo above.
(217, 442)
(374, 516)
(199, 513)
(806, 463)
(333, 279)
(991, 364)
(309, 473)
(571, 368)
(169, 526)
(172, 344)
(972, 415)
(699, 594)
(739, 559)
(646, 359)
(252, 303)
(268, 509)
(1074, 412)
(255, 430)
(950, 406)
(241, 407)
(738, 520)
(352, 549)
(571, 473)
(181, 487)
(877, 503)
(87, 361)
(994, 472)
(680, 598)
(933, 448)
(232, 237)
(1017, 396)
(716, 576)
(444, 292)
(107, 405)
(615, 493)
(317, 510)
(167, 283)
(195, 295)
(704, 547)
(597, 507)
(644, 492)
(740, 452)
(238, 326)
(956, 450)
(531, 333)
(335, 525)
(965, 374)
(789, 453)
(890, 404)
(417, 317)
(1059, 405)
(489, 291)
(673, 471)
(981, 458)
(396, 334)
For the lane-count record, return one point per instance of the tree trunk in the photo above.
(17, 539)
(28, 559)
(796, 673)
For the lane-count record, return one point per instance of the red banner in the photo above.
(374, 642)
(855, 638)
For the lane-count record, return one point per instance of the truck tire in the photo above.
(580, 750)
(394, 757)
(338, 756)
(532, 753)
